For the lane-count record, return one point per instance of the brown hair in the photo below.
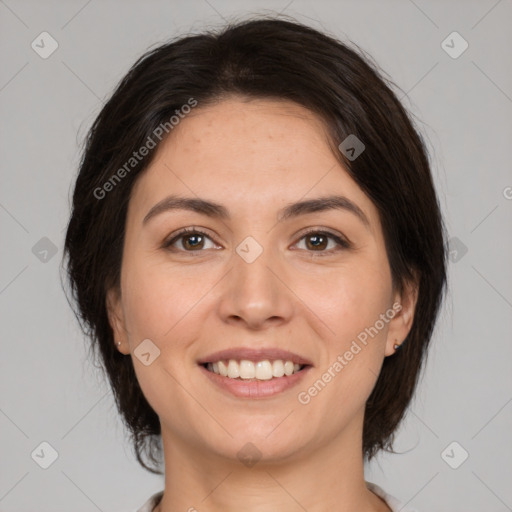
(275, 59)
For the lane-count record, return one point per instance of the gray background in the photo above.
(49, 390)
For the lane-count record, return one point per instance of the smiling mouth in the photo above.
(254, 370)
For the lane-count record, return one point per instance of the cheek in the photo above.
(349, 299)
(161, 305)
(159, 299)
(350, 303)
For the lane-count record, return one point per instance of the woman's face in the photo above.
(252, 285)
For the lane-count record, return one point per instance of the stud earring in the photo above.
(118, 343)
(396, 346)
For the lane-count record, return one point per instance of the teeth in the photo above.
(223, 369)
(247, 370)
(233, 369)
(278, 368)
(262, 370)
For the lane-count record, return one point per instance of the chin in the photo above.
(260, 443)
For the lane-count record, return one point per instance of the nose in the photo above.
(256, 293)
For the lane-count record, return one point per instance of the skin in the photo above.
(254, 157)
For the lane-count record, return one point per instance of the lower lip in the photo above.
(255, 388)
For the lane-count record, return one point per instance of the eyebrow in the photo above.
(215, 210)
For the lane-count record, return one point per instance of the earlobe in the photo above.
(116, 318)
(401, 324)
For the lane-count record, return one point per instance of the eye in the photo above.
(318, 241)
(195, 240)
(190, 239)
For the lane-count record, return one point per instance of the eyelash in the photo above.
(341, 242)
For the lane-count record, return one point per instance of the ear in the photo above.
(116, 319)
(404, 304)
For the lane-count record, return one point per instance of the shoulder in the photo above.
(393, 503)
(151, 503)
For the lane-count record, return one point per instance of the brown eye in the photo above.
(188, 240)
(193, 241)
(318, 241)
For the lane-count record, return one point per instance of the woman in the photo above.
(257, 253)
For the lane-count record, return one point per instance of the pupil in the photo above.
(194, 237)
(317, 240)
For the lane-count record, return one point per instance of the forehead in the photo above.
(245, 132)
(250, 154)
(259, 116)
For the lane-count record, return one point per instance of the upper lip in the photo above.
(253, 354)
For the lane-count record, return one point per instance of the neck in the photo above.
(323, 477)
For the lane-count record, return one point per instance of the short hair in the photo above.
(260, 58)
